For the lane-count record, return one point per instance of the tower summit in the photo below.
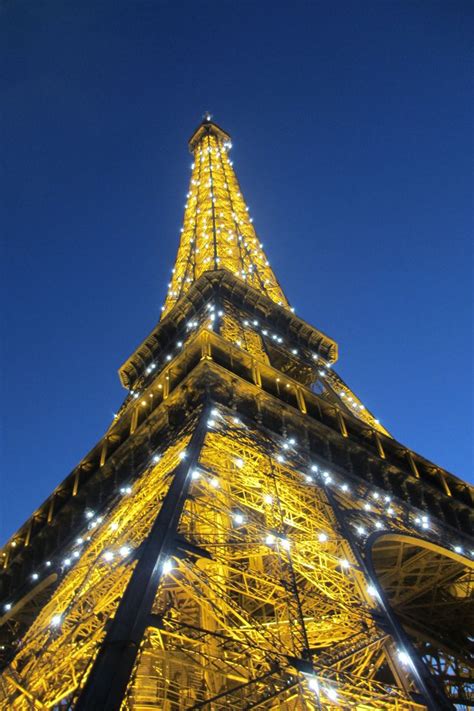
(245, 535)
(218, 231)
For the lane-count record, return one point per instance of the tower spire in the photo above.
(217, 230)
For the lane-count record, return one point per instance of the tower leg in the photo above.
(432, 695)
(108, 680)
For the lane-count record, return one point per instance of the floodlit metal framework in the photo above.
(246, 534)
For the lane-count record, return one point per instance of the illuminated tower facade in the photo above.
(245, 535)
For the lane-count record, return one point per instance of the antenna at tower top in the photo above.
(207, 116)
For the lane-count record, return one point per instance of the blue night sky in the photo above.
(352, 143)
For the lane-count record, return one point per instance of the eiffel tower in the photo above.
(245, 535)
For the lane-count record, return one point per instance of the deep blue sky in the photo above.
(352, 142)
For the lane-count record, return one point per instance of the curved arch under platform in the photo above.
(431, 591)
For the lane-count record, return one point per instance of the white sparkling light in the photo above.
(167, 567)
(403, 656)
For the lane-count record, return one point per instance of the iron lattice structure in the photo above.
(245, 535)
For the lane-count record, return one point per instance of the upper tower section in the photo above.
(217, 230)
